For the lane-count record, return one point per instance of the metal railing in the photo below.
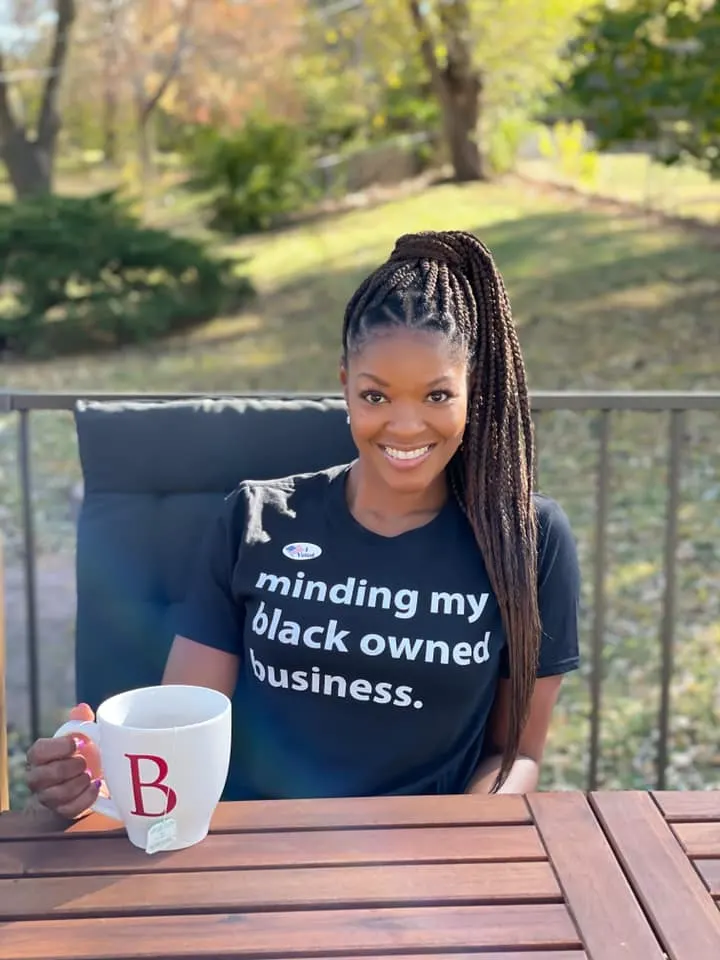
(604, 404)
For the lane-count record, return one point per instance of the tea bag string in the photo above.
(171, 766)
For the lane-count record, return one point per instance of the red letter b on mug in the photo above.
(157, 784)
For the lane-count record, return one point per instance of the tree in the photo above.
(239, 62)
(29, 153)
(481, 58)
(648, 70)
(137, 64)
(456, 79)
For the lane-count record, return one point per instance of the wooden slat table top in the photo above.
(351, 812)
(661, 872)
(695, 820)
(283, 934)
(689, 806)
(600, 898)
(709, 870)
(492, 878)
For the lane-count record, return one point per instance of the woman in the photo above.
(400, 624)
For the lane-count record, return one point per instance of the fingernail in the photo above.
(97, 783)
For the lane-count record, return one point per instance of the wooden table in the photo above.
(554, 876)
(669, 847)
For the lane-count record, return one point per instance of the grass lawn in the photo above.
(636, 178)
(602, 302)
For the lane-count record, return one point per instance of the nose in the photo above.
(406, 423)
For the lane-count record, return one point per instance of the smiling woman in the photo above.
(399, 624)
(407, 396)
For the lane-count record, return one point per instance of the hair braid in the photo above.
(448, 281)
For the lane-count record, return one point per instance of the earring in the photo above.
(348, 418)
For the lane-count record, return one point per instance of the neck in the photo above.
(371, 500)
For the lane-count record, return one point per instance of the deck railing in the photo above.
(674, 405)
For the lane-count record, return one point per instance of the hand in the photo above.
(63, 772)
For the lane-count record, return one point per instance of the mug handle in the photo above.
(91, 731)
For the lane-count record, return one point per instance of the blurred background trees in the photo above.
(249, 113)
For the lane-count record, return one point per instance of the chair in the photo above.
(154, 473)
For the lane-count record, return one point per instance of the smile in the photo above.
(407, 456)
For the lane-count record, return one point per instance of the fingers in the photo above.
(86, 747)
(50, 749)
(63, 771)
(55, 773)
(72, 797)
(82, 712)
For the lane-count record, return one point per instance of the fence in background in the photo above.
(675, 407)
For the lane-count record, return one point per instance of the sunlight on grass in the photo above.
(634, 177)
(365, 238)
(597, 299)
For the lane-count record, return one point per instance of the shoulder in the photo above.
(557, 548)
(253, 503)
(552, 520)
(558, 590)
(289, 492)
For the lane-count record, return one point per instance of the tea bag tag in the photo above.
(161, 835)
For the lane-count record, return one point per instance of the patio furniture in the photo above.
(496, 878)
(154, 473)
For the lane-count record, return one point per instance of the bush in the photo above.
(255, 177)
(504, 139)
(81, 273)
(566, 147)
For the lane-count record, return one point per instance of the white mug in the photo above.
(165, 754)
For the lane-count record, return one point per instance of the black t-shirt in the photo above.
(368, 664)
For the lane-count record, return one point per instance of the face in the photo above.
(407, 396)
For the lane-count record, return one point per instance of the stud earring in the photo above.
(348, 418)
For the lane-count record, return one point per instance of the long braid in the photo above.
(448, 281)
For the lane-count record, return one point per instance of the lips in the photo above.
(408, 457)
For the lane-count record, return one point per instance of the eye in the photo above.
(439, 396)
(373, 397)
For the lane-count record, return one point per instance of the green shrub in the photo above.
(17, 749)
(82, 273)
(565, 146)
(255, 177)
(504, 138)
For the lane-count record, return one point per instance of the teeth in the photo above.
(406, 454)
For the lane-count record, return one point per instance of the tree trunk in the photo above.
(30, 161)
(145, 149)
(29, 165)
(456, 82)
(109, 127)
(460, 106)
(110, 79)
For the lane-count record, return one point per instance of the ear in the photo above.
(344, 379)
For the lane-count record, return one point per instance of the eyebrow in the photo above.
(383, 383)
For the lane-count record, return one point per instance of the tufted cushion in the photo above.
(154, 473)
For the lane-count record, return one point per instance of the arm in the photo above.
(524, 776)
(205, 651)
(198, 665)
